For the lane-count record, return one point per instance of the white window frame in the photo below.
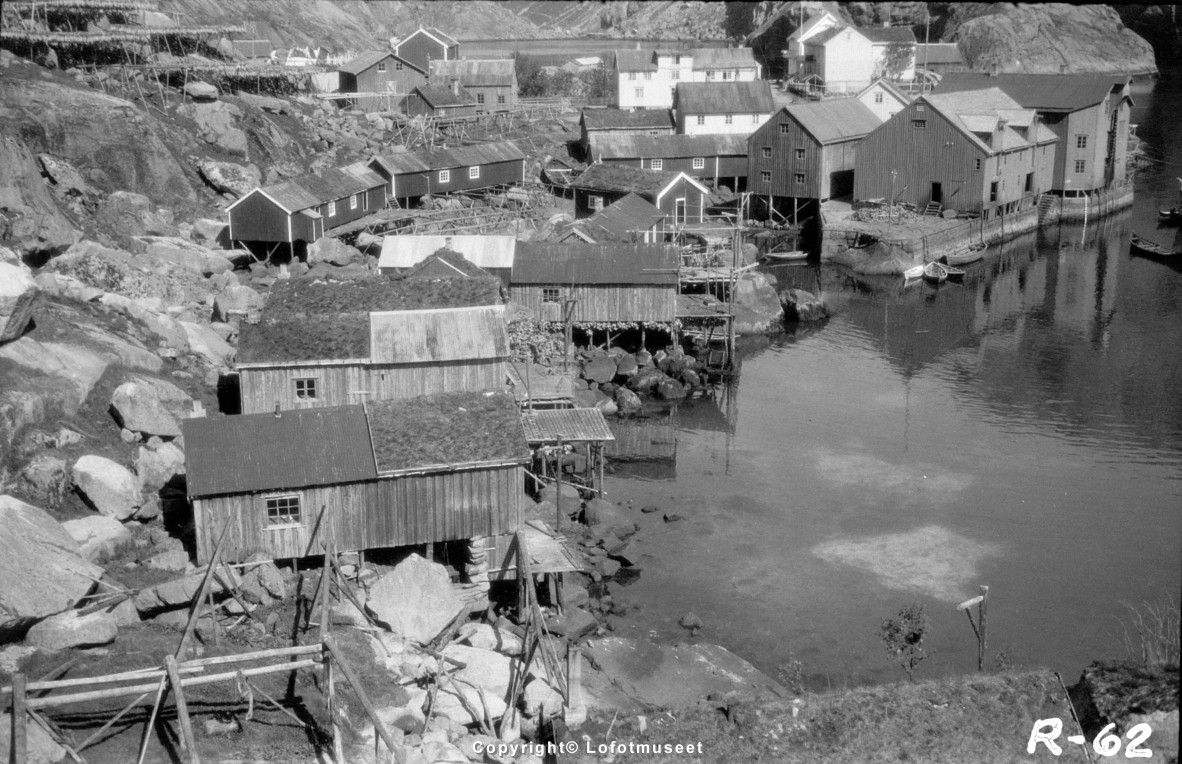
(648, 75)
(699, 163)
(480, 98)
(765, 176)
(398, 66)
(656, 164)
(631, 76)
(675, 74)
(381, 67)
(755, 119)
(332, 209)
(313, 388)
(799, 153)
(730, 119)
(474, 173)
(500, 99)
(353, 202)
(552, 292)
(445, 176)
(799, 178)
(765, 152)
(701, 119)
(638, 92)
(286, 522)
(595, 202)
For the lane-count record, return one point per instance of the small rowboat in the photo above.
(954, 273)
(936, 273)
(783, 257)
(915, 272)
(1172, 215)
(969, 254)
(1146, 248)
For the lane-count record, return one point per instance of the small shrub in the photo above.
(904, 637)
(791, 674)
(1150, 632)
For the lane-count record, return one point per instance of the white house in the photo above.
(724, 65)
(722, 108)
(647, 79)
(883, 98)
(847, 59)
(795, 51)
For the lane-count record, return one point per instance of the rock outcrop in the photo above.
(18, 295)
(151, 406)
(30, 220)
(415, 600)
(110, 487)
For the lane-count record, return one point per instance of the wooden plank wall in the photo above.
(605, 302)
(783, 163)
(390, 512)
(262, 388)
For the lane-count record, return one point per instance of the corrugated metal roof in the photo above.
(438, 335)
(622, 179)
(475, 72)
(607, 119)
(264, 452)
(752, 97)
(938, 53)
(1051, 92)
(364, 61)
(460, 156)
(887, 34)
(566, 425)
(667, 146)
(438, 97)
(440, 431)
(635, 61)
(580, 263)
(620, 220)
(723, 58)
(484, 251)
(832, 121)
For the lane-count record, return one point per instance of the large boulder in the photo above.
(18, 295)
(627, 402)
(201, 91)
(230, 178)
(70, 629)
(151, 406)
(127, 214)
(156, 467)
(449, 705)
(415, 600)
(600, 369)
(487, 669)
(40, 747)
(333, 251)
(31, 222)
(80, 366)
(33, 542)
(206, 343)
(217, 123)
(186, 254)
(46, 478)
(109, 486)
(176, 593)
(99, 538)
(236, 300)
(210, 233)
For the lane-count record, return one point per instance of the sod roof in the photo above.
(622, 179)
(443, 431)
(320, 321)
(612, 119)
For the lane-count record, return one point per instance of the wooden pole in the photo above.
(188, 742)
(981, 624)
(160, 688)
(196, 606)
(351, 677)
(110, 723)
(599, 451)
(20, 740)
(558, 487)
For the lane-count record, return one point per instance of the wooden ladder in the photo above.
(933, 209)
(1045, 202)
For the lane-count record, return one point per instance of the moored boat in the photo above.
(784, 257)
(1172, 215)
(954, 273)
(969, 254)
(936, 273)
(1139, 245)
(914, 272)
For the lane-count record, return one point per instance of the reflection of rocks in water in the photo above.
(931, 560)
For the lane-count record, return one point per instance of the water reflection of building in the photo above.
(644, 447)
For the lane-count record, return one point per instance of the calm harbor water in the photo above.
(1022, 431)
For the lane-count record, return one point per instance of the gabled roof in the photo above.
(723, 58)
(364, 61)
(445, 263)
(442, 159)
(578, 263)
(635, 60)
(476, 73)
(751, 97)
(887, 34)
(445, 40)
(806, 30)
(972, 112)
(607, 119)
(444, 432)
(836, 120)
(264, 452)
(483, 251)
(313, 190)
(441, 97)
(667, 146)
(681, 177)
(938, 53)
(888, 87)
(438, 335)
(622, 179)
(1046, 92)
(823, 37)
(621, 220)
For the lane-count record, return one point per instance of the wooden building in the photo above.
(414, 174)
(883, 98)
(445, 103)
(939, 58)
(715, 159)
(387, 474)
(493, 83)
(493, 254)
(446, 264)
(845, 59)
(613, 283)
(425, 45)
(1088, 113)
(647, 79)
(718, 108)
(630, 219)
(976, 151)
(724, 65)
(550, 431)
(327, 344)
(601, 123)
(806, 153)
(380, 72)
(681, 198)
(304, 208)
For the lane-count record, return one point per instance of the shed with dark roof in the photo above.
(492, 82)
(386, 474)
(676, 194)
(610, 283)
(629, 219)
(380, 71)
(722, 107)
(412, 174)
(445, 103)
(424, 45)
(706, 157)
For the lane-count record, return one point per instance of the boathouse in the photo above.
(414, 174)
(718, 108)
(595, 123)
(977, 152)
(716, 159)
(303, 209)
(424, 45)
(380, 72)
(1087, 113)
(331, 343)
(681, 198)
(443, 102)
(493, 254)
(604, 284)
(386, 474)
(806, 154)
(493, 83)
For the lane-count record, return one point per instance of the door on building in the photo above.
(937, 193)
(679, 212)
